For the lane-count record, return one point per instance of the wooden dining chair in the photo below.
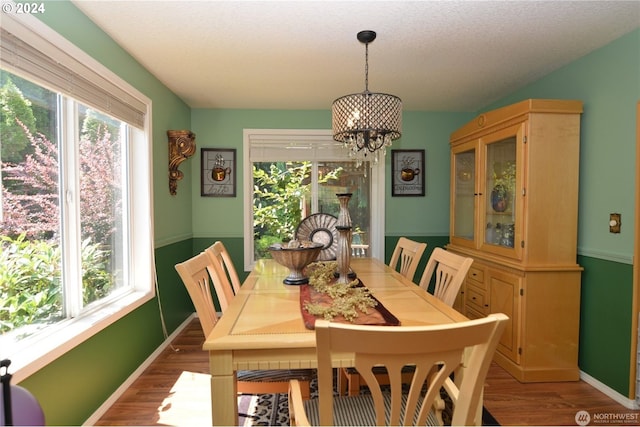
(196, 276)
(406, 257)
(448, 271)
(218, 253)
(199, 274)
(439, 347)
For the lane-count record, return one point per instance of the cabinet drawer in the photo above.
(477, 275)
(477, 300)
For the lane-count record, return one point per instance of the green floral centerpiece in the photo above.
(347, 299)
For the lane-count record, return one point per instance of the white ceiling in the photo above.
(435, 55)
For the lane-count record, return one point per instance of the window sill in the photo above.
(32, 354)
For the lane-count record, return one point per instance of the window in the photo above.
(76, 240)
(309, 167)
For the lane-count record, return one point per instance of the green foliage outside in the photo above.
(30, 255)
(14, 108)
(30, 280)
(279, 192)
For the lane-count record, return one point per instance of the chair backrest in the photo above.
(450, 270)
(407, 254)
(197, 274)
(218, 253)
(439, 347)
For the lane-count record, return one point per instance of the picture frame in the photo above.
(407, 173)
(218, 172)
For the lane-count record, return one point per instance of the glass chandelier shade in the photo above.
(366, 122)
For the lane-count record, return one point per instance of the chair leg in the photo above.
(342, 381)
(305, 390)
(353, 384)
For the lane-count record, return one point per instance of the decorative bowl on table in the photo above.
(295, 255)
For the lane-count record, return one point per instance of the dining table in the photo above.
(263, 327)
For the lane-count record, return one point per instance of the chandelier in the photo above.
(366, 122)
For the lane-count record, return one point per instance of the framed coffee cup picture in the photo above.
(218, 172)
(407, 173)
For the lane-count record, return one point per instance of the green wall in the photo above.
(72, 387)
(223, 216)
(605, 321)
(409, 216)
(607, 80)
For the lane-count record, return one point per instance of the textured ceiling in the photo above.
(435, 55)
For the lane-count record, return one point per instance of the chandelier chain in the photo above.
(366, 67)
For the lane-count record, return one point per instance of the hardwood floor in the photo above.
(174, 390)
(545, 404)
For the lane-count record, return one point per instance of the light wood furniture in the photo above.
(195, 274)
(406, 257)
(223, 272)
(263, 327)
(198, 274)
(449, 271)
(403, 345)
(218, 252)
(525, 247)
(350, 382)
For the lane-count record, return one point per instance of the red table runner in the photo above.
(377, 315)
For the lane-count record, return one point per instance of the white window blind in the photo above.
(36, 58)
(298, 146)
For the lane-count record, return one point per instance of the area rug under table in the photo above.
(273, 410)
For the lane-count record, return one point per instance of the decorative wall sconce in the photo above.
(182, 145)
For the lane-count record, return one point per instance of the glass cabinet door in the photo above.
(500, 187)
(487, 192)
(463, 218)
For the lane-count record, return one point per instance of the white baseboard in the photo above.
(605, 389)
(93, 419)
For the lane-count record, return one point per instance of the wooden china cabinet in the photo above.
(514, 210)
